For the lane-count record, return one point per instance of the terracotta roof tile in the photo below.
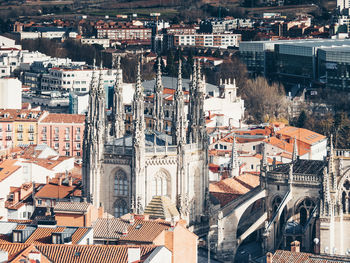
(230, 188)
(145, 230)
(109, 228)
(304, 135)
(72, 206)
(54, 191)
(42, 235)
(89, 253)
(13, 249)
(79, 234)
(7, 168)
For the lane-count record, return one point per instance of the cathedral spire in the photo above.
(264, 161)
(295, 150)
(178, 125)
(138, 105)
(94, 139)
(138, 142)
(118, 114)
(234, 159)
(158, 112)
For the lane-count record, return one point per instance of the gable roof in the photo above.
(7, 168)
(145, 230)
(71, 206)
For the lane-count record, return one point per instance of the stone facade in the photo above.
(305, 200)
(124, 171)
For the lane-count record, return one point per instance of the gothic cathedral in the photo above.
(124, 171)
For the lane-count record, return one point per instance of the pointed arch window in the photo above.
(346, 197)
(120, 208)
(120, 183)
(161, 184)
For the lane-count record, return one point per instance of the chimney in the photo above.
(60, 180)
(134, 254)
(47, 179)
(70, 181)
(269, 257)
(295, 246)
(125, 231)
(172, 222)
(100, 212)
(132, 219)
(16, 197)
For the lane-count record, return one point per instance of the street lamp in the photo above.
(211, 228)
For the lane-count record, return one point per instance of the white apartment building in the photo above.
(10, 93)
(6, 43)
(208, 40)
(99, 41)
(77, 80)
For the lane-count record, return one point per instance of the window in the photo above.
(120, 208)
(40, 202)
(17, 236)
(120, 183)
(56, 239)
(78, 153)
(160, 184)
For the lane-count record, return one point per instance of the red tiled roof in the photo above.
(304, 135)
(13, 249)
(90, 253)
(145, 230)
(42, 235)
(230, 188)
(7, 168)
(54, 191)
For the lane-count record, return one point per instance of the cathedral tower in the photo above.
(118, 114)
(93, 146)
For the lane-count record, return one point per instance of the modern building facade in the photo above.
(300, 61)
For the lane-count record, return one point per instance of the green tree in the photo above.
(301, 120)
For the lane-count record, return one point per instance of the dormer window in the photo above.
(57, 238)
(17, 237)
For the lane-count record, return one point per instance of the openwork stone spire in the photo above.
(158, 112)
(234, 159)
(179, 120)
(118, 113)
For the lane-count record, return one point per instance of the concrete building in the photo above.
(223, 40)
(10, 93)
(96, 41)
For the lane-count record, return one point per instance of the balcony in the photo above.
(44, 139)
(56, 139)
(19, 139)
(8, 138)
(31, 139)
(19, 130)
(8, 130)
(66, 138)
(31, 130)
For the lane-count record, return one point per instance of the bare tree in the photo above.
(264, 101)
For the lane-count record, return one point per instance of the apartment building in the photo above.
(224, 40)
(125, 32)
(63, 132)
(73, 79)
(19, 127)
